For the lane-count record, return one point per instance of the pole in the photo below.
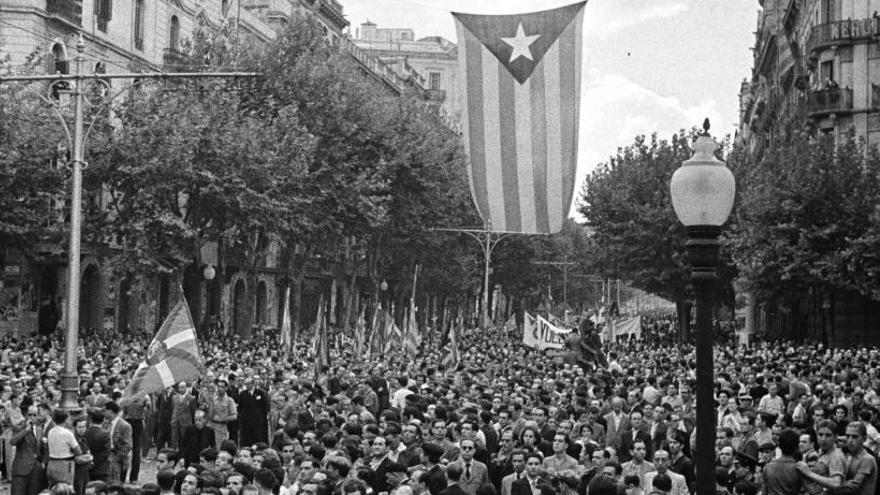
(702, 246)
(69, 377)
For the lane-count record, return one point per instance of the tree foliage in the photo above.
(807, 217)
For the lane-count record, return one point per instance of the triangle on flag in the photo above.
(519, 41)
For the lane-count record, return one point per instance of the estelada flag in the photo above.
(172, 357)
(521, 92)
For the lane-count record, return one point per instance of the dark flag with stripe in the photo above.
(522, 78)
(172, 357)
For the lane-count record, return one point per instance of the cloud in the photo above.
(607, 23)
(615, 109)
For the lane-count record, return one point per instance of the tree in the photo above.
(627, 204)
(32, 173)
(806, 222)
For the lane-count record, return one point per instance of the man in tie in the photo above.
(531, 483)
(518, 459)
(120, 441)
(27, 471)
(474, 472)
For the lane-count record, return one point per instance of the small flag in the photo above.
(360, 331)
(172, 357)
(520, 87)
(286, 330)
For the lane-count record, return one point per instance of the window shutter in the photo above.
(108, 10)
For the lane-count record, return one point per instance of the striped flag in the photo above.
(521, 93)
(286, 329)
(172, 357)
(360, 331)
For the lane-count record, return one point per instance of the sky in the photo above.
(648, 66)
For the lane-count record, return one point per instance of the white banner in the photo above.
(540, 334)
(615, 327)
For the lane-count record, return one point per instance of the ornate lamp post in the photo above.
(703, 190)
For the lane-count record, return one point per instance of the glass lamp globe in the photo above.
(703, 188)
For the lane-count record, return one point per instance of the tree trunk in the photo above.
(683, 310)
(351, 292)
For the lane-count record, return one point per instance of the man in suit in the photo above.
(518, 459)
(656, 426)
(120, 441)
(474, 472)
(307, 419)
(98, 440)
(379, 463)
(253, 413)
(529, 484)
(28, 477)
(662, 463)
(183, 405)
(635, 433)
(196, 438)
(162, 432)
(453, 477)
(617, 422)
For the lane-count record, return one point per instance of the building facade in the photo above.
(816, 68)
(431, 61)
(149, 35)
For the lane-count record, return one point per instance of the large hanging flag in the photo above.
(172, 357)
(521, 91)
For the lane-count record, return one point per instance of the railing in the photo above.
(68, 10)
(436, 94)
(828, 101)
(839, 32)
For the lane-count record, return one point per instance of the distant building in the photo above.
(432, 61)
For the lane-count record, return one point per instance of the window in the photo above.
(826, 71)
(827, 12)
(434, 80)
(59, 64)
(103, 13)
(174, 40)
(139, 24)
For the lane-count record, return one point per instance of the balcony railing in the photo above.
(842, 32)
(829, 100)
(67, 10)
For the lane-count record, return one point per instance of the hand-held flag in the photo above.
(521, 88)
(172, 357)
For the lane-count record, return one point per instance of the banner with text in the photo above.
(539, 333)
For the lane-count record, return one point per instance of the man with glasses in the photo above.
(474, 472)
(661, 463)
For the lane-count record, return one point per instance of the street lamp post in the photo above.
(702, 190)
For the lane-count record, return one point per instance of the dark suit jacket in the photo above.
(27, 453)
(99, 446)
(306, 420)
(454, 489)
(522, 486)
(194, 441)
(380, 483)
(627, 441)
(436, 480)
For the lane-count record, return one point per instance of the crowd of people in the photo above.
(505, 419)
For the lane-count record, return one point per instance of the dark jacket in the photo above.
(27, 451)
(454, 489)
(98, 441)
(194, 441)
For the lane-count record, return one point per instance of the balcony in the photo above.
(436, 94)
(823, 102)
(69, 11)
(839, 33)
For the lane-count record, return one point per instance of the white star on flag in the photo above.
(521, 43)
